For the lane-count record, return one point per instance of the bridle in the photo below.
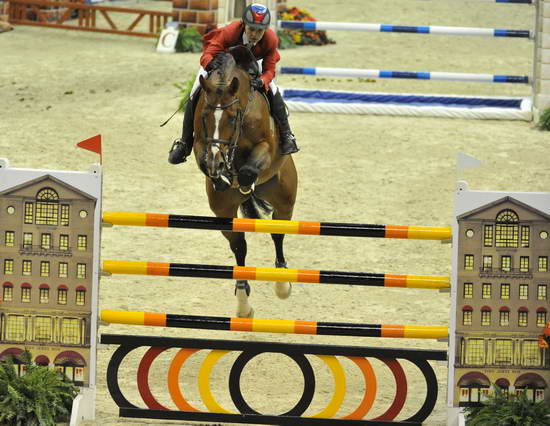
(228, 156)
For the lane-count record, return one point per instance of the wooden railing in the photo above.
(86, 19)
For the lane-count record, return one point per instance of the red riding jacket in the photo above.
(221, 39)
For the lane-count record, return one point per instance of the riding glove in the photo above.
(257, 83)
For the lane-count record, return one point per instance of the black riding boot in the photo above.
(182, 147)
(287, 141)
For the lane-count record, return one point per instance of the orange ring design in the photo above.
(173, 379)
(370, 388)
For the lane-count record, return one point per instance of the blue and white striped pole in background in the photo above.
(382, 28)
(415, 75)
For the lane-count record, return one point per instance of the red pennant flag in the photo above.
(92, 144)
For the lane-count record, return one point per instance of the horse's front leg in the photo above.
(258, 161)
(225, 204)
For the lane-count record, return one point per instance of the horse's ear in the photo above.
(234, 85)
(202, 81)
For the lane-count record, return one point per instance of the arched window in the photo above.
(507, 229)
(47, 207)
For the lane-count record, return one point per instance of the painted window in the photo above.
(541, 319)
(25, 294)
(503, 352)
(486, 290)
(524, 291)
(46, 241)
(487, 263)
(27, 240)
(468, 290)
(63, 270)
(524, 264)
(81, 297)
(522, 318)
(7, 293)
(525, 236)
(8, 266)
(475, 352)
(530, 353)
(27, 267)
(543, 263)
(504, 318)
(81, 270)
(505, 291)
(43, 329)
(485, 317)
(47, 207)
(70, 331)
(64, 215)
(469, 262)
(44, 295)
(507, 229)
(15, 328)
(82, 242)
(466, 317)
(62, 296)
(506, 263)
(44, 268)
(29, 213)
(542, 292)
(63, 242)
(488, 235)
(9, 238)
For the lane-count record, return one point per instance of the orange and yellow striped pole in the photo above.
(277, 226)
(274, 274)
(274, 326)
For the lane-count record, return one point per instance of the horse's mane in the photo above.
(240, 57)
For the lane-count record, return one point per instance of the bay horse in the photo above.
(236, 146)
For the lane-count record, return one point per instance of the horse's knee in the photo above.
(247, 175)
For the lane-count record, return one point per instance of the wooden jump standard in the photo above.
(277, 226)
(257, 325)
(274, 274)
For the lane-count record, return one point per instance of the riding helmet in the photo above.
(257, 16)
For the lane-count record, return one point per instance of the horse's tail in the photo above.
(256, 208)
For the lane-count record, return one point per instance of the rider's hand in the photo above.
(257, 83)
(214, 63)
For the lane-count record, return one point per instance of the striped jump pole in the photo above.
(277, 226)
(413, 75)
(274, 274)
(383, 28)
(274, 326)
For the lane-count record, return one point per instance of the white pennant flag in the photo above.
(464, 161)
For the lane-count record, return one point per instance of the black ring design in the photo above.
(235, 382)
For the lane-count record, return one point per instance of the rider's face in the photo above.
(254, 35)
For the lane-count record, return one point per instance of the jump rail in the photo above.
(274, 274)
(277, 226)
(420, 29)
(413, 75)
(257, 325)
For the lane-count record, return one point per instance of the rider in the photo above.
(252, 31)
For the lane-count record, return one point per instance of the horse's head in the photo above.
(221, 116)
(225, 98)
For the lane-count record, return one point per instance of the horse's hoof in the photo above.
(283, 290)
